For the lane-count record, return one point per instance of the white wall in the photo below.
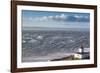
(5, 36)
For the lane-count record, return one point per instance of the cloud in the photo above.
(61, 17)
(81, 16)
(78, 18)
(44, 18)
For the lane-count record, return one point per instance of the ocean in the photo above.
(46, 45)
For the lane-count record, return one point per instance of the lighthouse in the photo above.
(79, 54)
(82, 48)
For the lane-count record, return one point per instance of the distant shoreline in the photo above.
(53, 29)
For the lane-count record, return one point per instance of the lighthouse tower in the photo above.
(80, 51)
(82, 47)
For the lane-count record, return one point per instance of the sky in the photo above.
(50, 19)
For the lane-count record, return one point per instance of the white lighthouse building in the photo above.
(80, 52)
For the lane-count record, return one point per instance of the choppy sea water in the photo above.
(46, 45)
